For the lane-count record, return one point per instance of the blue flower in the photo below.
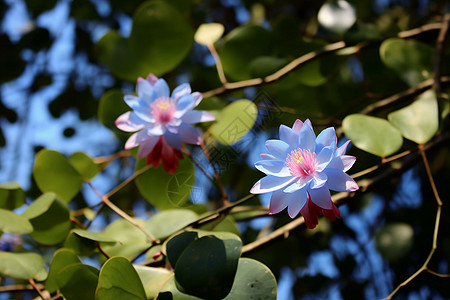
(162, 121)
(301, 169)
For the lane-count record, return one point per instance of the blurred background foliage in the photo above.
(360, 66)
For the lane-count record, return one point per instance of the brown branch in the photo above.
(20, 287)
(219, 66)
(439, 49)
(37, 288)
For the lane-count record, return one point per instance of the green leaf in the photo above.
(226, 225)
(54, 173)
(266, 65)
(234, 121)
(206, 268)
(14, 223)
(411, 60)
(11, 195)
(61, 258)
(419, 121)
(395, 240)
(152, 279)
(169, 291)
(130, 239)
(110, 107)
(78, 281)
(168, 222)
(22, 266)
(84, 165)
(167, 191)
(253, 281)
(337, 16)
(119, 280)
(50, 219)
(114, 51)
(161, 36)
(371, 134)
(310, 74)
(240, 47)
(94, 236)
(208, 34)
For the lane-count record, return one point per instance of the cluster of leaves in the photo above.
(380, 79)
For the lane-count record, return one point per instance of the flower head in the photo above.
(301, 169)
(162, 121)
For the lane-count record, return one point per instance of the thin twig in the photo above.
(439, 49)
(36, 288)
(219, 66)
(216, 175)
(20, 287)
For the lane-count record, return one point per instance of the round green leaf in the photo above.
(78, 281)
(234, 121)
(94, 236)
(152, 279)
(110, 107)
(14, 223)
(371, 134)
(61, 258)
(228, 224)
(84, 165)
(208, 34)
(160, 36)
(167, 191)
(206, 268)
(50, 219)
(119, 280)
(419, 121)
(168, 222)
(411, 60)
(395, 240)
(54, 173)
(310, 74)
(22, 266)
(114, 51)
(337, 16)
(266, 65)
(130, 239)
(253, 281)
(11, 195)
(169, 291)
(240, 47)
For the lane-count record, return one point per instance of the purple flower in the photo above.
(162, 121)
(301, 169)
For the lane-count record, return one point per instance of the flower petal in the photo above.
(181, 90)
(321, 197)
(144, 89)
(161, 89)
(301, 183)
(296, 202)
(189, 134)
(306, 137)
(340, 181)
(273, 167)
(152, 79)
(341, 150)
(289, 136)
(278, 148)
(319, 180)
(270, 183)
(147, 145)
(184, 104)
(197, 98)
(265, 156)
(344, 162)
(278, 202)
(327, 138)
(196, 116)
(173, 140)
(324, 158)
(136, 139)
(297, 126)
(130, 122)
(157, 129)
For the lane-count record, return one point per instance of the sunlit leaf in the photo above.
(78, 281)
(161, 36)
(61, 258)
(11, 195)
(22, 266)
(371, 134)
(395, 240)
(411, 60)
(152, 279)
(14, 223)
(167, 191)
(208, 34)
(50, 219)
(253, 280)
(94, 236)
(84, 165)
(419, 121)
(169, 291)
(170, 221)
(119, 280)
(234, 121)
(337, 15)
(54, 173)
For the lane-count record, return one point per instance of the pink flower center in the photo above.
(163, 109)
(301, 163)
